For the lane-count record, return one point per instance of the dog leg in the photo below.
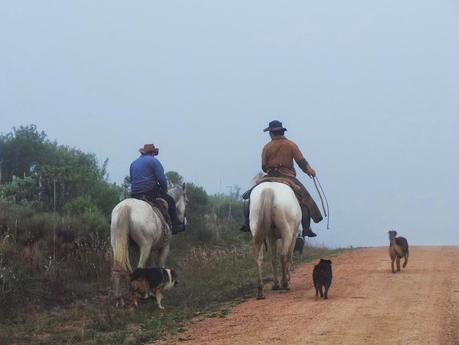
(135, 301)
(159, 297)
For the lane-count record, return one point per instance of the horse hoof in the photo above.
(276, 287)
(260, 297)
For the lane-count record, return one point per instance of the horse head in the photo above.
(178, 193)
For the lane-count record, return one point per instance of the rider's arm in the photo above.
(159, 174)
(130, 172)
(301, 161)
(264, 160)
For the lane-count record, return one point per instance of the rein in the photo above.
(326, 213)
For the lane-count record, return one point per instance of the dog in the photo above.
(146, 282)
(398, 248)
(322, 277)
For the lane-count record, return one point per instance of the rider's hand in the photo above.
(311, 172)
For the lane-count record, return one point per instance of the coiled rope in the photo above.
(326, 213)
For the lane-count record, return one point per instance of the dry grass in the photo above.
(211, 279)
(55, 279)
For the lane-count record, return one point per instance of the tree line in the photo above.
(55, 206)
(52, 177)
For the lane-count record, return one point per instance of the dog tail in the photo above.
(120, 240)
(265, 220)
(406, 256)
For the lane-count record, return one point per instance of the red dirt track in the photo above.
(367, 305)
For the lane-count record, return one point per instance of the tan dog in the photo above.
(398, 249)
(148, 282)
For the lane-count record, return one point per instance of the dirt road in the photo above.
(367, 305)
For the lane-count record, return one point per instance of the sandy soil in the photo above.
(367, 305)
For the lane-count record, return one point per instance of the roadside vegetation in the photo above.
(55, 254)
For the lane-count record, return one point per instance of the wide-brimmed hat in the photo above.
(149, 148)
(275, 126)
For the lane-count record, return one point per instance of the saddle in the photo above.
(161, 206)
(304, 198)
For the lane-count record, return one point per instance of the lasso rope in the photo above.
(326, 213)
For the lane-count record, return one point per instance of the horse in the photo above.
(275, 216)
(137, 221)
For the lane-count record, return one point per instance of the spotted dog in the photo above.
(146, 282)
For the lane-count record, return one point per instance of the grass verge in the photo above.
(212, 279)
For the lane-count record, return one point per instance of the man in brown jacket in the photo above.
(277, 162)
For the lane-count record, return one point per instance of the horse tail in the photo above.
(120, 240)
(265, 220)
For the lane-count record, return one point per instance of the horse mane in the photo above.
(175, 191)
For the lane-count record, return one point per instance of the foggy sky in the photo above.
(368, 90)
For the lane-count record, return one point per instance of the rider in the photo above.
(149, 182)
(277, 161)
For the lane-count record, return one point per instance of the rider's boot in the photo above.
(246, 226)
(177, 226)
(306, 222)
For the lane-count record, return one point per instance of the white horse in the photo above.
(136, 220)
(275, 216)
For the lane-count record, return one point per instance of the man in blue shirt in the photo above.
(149, 182)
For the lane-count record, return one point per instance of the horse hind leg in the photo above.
(145, 253)
(273, 244)
(259, 259)
(285, 261)
(285, 274)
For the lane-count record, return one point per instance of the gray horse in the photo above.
(136, 220)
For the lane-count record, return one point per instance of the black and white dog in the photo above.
(154, 281)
